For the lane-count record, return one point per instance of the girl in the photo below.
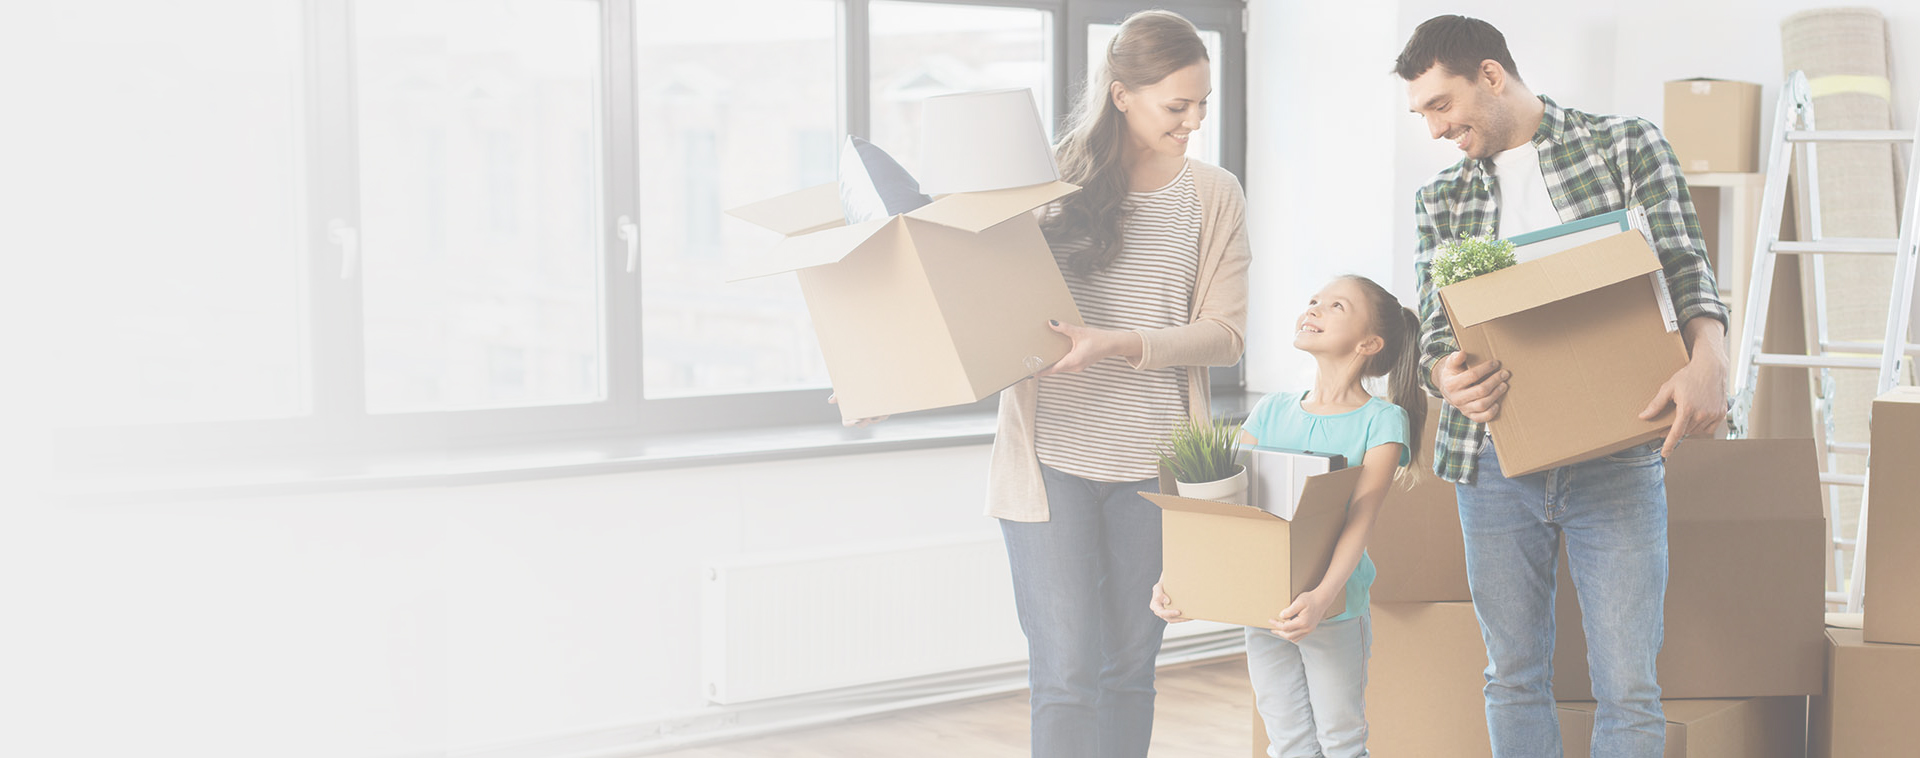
(1154, 250)
(1309, 670)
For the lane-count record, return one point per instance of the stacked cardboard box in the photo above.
(1755, 727)
(1746, 582)
(1743, 609)
(1873, 673)
(1425, 676)
(1713, 125)
(1746, 559)
(1424, 682)
(1893, 520)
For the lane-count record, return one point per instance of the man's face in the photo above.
(1466, 110)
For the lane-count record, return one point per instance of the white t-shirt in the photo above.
(1525, 204)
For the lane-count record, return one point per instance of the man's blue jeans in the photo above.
(1613, 513)
(1081, 582)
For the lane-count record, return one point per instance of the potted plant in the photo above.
(1202, 456)
(1464, 259)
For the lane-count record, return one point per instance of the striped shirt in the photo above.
(1102, 423)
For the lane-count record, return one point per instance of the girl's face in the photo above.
(1336, 323)
(1161, 115)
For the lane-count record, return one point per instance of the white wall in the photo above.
(399, 622)
(1320, 108)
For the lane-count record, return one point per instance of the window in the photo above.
(480, 181)
(736, 103)
(163, 191)
(925, 49)
(405, 223)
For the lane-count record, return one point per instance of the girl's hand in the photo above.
(859, 422)
(1159, 606)
(1301, 618)
(1092, 345)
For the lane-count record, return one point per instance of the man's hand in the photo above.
(1475, 390)
(1697, 392)
(1092, 345)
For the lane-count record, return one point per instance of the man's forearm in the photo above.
(1705, 336)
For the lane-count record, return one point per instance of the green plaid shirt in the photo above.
(1592, 165)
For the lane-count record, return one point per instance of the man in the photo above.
(1531, 164)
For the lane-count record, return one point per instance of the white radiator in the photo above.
(779, 626)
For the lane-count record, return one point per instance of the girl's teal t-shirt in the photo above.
(1279, 421)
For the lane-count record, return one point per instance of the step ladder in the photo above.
(1794, 145)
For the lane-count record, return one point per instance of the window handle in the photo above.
(348, 238)
(630, 232)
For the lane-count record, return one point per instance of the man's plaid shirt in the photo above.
(1592, 165)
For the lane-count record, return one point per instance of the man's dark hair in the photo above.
(1457, 43)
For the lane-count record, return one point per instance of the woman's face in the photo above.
(1160, 116)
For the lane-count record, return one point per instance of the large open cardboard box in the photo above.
(1424, 682)
(1237, 564)
(1416, 543)
(1868, 709)
(1893, 520)
(1586, 338)
(943, 305)
(1761, 727)
(1746, 592)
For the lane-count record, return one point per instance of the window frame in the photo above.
(335, 419)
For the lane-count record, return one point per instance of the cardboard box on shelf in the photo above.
(1713, 125)
(1416, 543)
(1237, 564)
(1867, 711)
(944, 304)
(1745, 603)
(1585, 335)
(1761, 727)
(1424, 682)
(1893, 520)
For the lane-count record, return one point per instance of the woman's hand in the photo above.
(1159, 606)
(1092, 345)
(1300, 618)
(859, 422)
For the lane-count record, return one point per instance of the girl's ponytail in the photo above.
(1405, 389)
(1399, 361)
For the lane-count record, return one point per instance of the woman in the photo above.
(1154, 251)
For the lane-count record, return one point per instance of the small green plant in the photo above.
(1464, 259)
(1201, 451)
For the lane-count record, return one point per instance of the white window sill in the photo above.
(545, 460)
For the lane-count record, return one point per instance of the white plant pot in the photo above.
(1232, 489)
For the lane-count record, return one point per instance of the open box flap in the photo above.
(1209, 507)
(1555, 277)
(978, 211)
(816, 249)
(1329, 490)
(796, 213)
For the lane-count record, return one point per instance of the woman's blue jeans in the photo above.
(1081, 581)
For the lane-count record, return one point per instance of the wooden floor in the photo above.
(1202, 710)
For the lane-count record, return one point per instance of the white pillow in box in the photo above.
(873, 185)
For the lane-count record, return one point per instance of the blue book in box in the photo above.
(1539, 244)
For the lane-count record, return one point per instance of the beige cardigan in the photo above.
(1213, 337)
